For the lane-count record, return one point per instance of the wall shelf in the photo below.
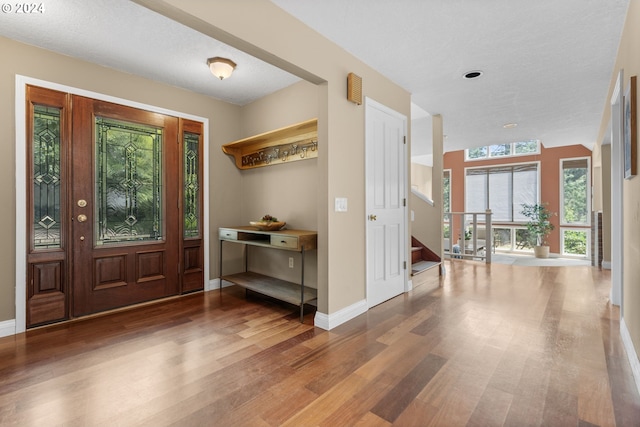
(288, 144)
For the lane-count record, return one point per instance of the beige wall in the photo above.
(628, 60)
(260, 28)
(427, 223)
(288, 191)
(224, 122)
(266, 31)
(422, 179)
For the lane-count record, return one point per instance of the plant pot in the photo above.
(267, 225)
(541, 251)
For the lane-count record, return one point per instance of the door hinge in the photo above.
(404, 264)
(404, 202)
(404, 139)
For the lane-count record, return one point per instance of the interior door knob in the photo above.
(82, 218)
(372, 217)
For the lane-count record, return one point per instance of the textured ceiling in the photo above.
(126, 36)
(546, 63)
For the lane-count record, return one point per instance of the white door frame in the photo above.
(21, 201)
(617, 208)
(370, 103)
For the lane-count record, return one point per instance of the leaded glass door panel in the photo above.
(192, 254)
(48, 139)
(125, 214)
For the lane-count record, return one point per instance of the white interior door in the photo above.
(386, 202)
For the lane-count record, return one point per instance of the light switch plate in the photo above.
(341, 204)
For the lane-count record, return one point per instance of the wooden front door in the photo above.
(116, 202)
(125, 231)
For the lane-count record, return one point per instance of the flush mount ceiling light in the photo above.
(509, 125)
(470, 75)
(221, 67)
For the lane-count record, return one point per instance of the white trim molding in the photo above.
(7, 327)
(631, 352)
(330, 321)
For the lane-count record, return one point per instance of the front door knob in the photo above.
(82, 218)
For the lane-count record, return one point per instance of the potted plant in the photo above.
(467, 236)
(539, 226)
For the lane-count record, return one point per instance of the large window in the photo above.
(446, 190)
(575, 191)
(521, 148)
(575, 241)
(503, 189)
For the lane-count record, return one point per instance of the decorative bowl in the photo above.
(267, 225)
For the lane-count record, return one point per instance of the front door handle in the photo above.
(82, 218)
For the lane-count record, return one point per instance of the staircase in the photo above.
(425, 264)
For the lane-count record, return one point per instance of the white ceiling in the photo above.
(125, 36)
(547, 63)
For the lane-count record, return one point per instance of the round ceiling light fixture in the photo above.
(474, 74)
(221, 67)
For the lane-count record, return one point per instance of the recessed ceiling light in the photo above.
(509, 125)
(472, 74)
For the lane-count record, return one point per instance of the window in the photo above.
(500, 150)
(511, 239)
(526, 147)
(476, 153)
(446, 190)
(575, 191)
(520, 148)
(575, 241)
(502, 189)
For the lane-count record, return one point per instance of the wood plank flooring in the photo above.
(495, 345)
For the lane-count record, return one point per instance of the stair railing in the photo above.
(466, 224)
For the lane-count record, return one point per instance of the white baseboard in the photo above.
(408, 286)
(330, 321)
(631, 353)
(606, 265)
(7, 327)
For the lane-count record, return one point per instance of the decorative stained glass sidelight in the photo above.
(191, 185)
(46, 177)
(128, 182)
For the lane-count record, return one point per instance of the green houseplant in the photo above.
(539, 226)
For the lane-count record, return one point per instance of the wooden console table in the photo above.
(291, 240)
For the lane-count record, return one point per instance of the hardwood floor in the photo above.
(496, 345)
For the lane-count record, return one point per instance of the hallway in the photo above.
(496, 345)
